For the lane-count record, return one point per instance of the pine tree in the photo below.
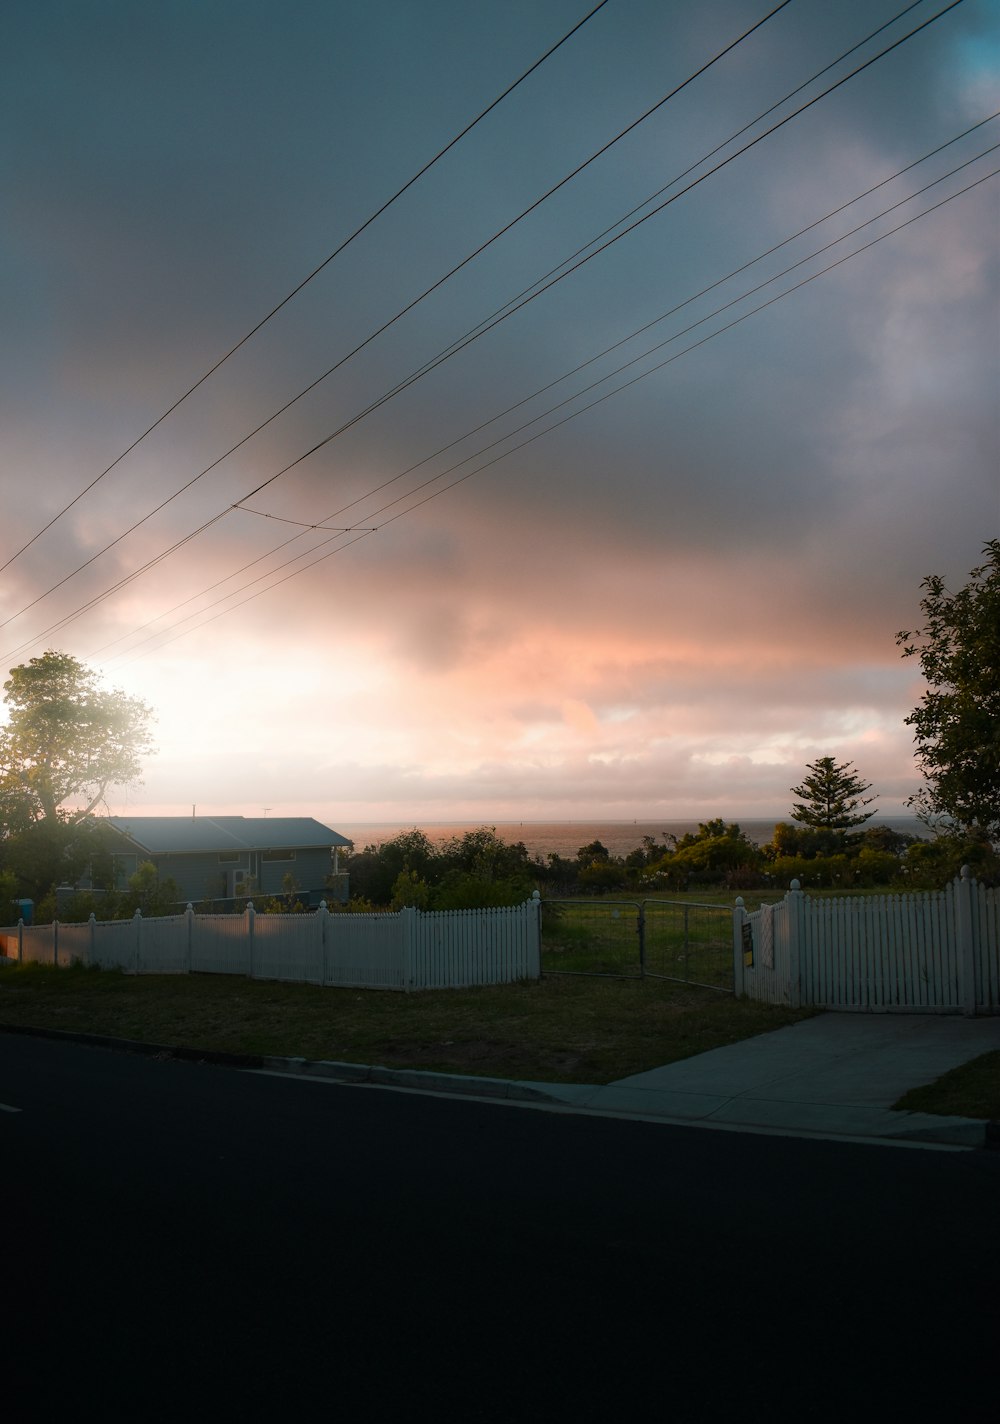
(832, 797)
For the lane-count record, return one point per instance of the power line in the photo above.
(703, 159)
(306, 280)
(598, 401)
(501, 232)
(240, 504)
(575, 396)
(455, 349)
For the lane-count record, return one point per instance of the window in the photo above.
(229, 857)
(277, 855)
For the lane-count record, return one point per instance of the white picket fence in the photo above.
(406, 950)
(935, 952)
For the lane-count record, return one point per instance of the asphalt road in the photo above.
(184, 1240)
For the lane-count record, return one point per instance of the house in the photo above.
(222, 857)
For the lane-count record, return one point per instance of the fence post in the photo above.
(408, 917)
(92, 926)
(55, 943)
(189, 939)
(323, 915)
(136, 937)
(20, 940)
(251, 916)
(534, 964)
(795, 901)
(965, 949)
(641, 927)
(739, 916)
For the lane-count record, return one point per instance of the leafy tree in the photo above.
(832, 796)
(930, 864)
(49, 853)
(956, 727)
(486, 855)
(66, 740)
(717, 849)
(594, 853)
(375, 870)
(409, 890)
(148, 893)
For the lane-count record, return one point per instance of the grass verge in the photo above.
(559, 1030)
(971, 1090)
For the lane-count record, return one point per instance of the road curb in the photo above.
(305, 1067)
(418, 1078)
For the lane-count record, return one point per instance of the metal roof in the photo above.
(180, 835)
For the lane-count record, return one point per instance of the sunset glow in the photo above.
(664, 607)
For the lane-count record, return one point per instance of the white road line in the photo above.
(6, 1107)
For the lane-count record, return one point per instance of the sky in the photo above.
(662, 605)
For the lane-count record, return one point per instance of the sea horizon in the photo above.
(544, 838)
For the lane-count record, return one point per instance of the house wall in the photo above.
(309, 869)
(201, 875)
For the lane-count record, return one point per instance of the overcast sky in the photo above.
(662, 607)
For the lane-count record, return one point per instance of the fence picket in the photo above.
(873, 953)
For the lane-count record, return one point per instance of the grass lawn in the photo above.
(971, 1090)
(560, 1029)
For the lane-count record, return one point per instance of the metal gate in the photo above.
(635, 939)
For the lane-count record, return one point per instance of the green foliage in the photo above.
(717, 851)
(410, 891)
(596, 853)
(146, 893)
(599, 877)
(875, 867)
(47, 853)
(66, 740)
(832, 797)
(474, 869)
(374, 871)
(806, 842)
(464, 890)
(8, 895)
(930, 865)
(280, 905)
(356, 905)
(956, 726)
(485, 854)
(821, 872)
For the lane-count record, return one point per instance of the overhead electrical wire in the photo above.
(684, 331)
(448, 355)
(853, 49)
(566, 375)
(341, 247)
(501, 232)
(456, 348)
(509, 434)
(132, 656)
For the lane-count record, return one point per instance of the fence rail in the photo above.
(404, 950)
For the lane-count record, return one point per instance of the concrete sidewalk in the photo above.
(836, 1075)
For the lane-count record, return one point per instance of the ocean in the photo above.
(544, 838)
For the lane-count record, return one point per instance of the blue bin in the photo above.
(27, 909)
